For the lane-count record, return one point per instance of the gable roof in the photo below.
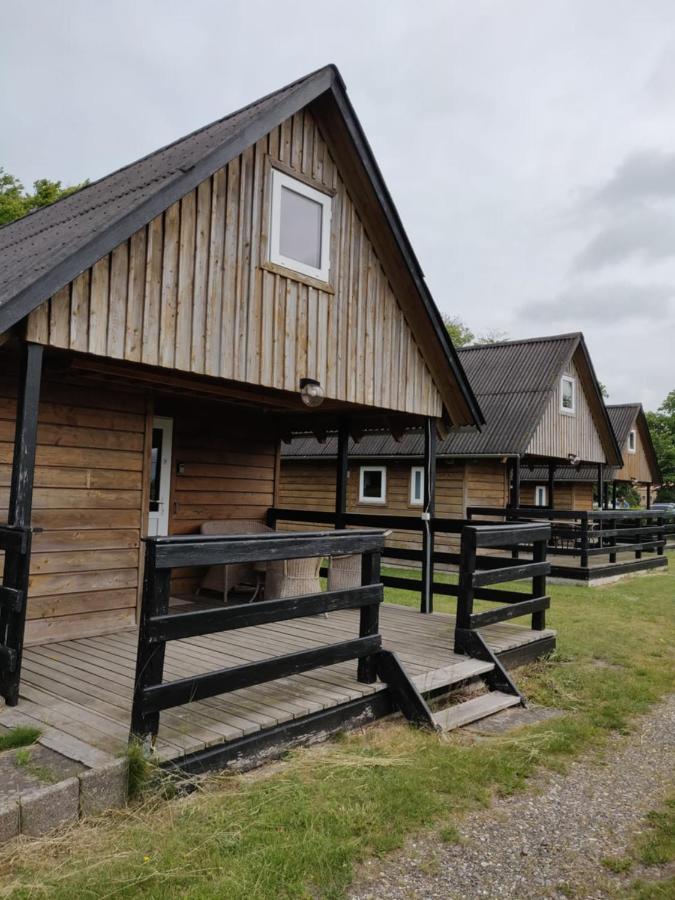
(48, 248)
(624, 416)
(513, 381)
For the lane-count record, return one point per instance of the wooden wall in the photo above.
(636, 465)
(577, 495)
(228, 465)
(88, 499)
(559, 434)
(311, 485)
(191, 292)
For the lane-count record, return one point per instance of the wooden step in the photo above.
(473, 710)
(452, 674)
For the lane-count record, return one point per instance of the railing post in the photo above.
(639, 538)
(370, 615)
(150, 656)
(660, 521)
(584, 541)
(539, 584)
(467, 567)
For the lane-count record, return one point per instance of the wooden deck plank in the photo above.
(82, 688)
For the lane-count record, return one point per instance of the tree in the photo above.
(662, 428)
(604, 393)
(16, 202)
(461, 335)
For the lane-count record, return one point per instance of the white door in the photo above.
(160, 476)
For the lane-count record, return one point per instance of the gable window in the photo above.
(568, 390)
(541, 495)
(632, 441)
(373, 484)
(416, 486)
(300, 227)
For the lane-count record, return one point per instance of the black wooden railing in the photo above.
(158, 625)
(588, 534)
(15, 541)
(478, 570)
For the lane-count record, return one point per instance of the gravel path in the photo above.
(549, 841)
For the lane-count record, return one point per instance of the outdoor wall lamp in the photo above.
(573, 459)
(311, 392)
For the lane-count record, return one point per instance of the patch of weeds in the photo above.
(24, 759)
(20, 736)
(450, 835)
(658, 845)
(142, 770)
(617, 864)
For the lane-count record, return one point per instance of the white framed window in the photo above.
(300, 226)
(373, 484)
(632, 441)
(568, 394)
(541, 495)
(417, 486)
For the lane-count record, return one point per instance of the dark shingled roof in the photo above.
(513, 381)
(46, 249)
(566, 473)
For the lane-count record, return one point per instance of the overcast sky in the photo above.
(529, 145)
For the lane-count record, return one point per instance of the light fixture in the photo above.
(311, 392)
(573, 459)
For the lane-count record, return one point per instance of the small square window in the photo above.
(541, 495)
(567, 394)
(416, 486)
(373, 484)
(632, 441)
(300, 227)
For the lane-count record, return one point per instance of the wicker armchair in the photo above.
(292, 578)
(223, 579)
(344, 572)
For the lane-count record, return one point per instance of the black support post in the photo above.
(342, 473)
(17, 562)
(427, 597)
(551, 485)
(649, 496)
(601, 485)
(515, 482)
(369, 624)
(614, 495)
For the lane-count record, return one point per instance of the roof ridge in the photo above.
(532, 340)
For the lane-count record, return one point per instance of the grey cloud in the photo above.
(613, 304)
(644, 176)
(647, 235)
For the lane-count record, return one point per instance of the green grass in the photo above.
(298, 830)
(20, 736)
(656, 848)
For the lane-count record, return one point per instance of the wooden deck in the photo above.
(82, 688)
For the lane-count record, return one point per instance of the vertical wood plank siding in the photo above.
(577, 495)
(559, 434)
(190, 292)
(88, 486)
(636, 465)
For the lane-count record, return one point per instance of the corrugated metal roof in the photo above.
(622, 416)
(513, 382)
(566, 473)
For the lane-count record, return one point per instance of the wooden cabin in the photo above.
(162, 329)
(543, 409)
(576, 486)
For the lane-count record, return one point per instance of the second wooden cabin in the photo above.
(544, 411)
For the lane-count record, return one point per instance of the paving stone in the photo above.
(10, 821)
(103, 788)
(45, 809)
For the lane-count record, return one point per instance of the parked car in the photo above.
(664, 507)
